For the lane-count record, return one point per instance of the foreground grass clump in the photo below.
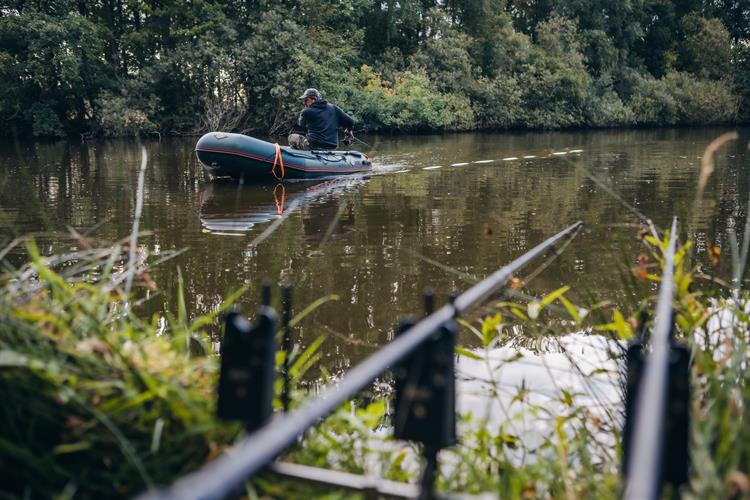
(97, 403)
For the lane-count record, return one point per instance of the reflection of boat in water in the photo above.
(233, 209)
(248, 158)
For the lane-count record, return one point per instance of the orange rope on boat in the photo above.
(278, 159)
(279, 205)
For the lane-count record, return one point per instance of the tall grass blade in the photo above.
(136, 222)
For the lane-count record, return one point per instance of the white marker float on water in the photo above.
(222, 233)
(529, 156)
(432, 167)
(459, 164)
(510, 158)
(483, 161)
(560, 153)
(576, 150)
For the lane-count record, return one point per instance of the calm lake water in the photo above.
(438, 211)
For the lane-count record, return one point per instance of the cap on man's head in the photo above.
(311, 93)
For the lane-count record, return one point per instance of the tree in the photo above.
(741, 63)
(446, 56)
(271, 67)
(735, 14)
(52, 70)
(394, 23)
(555, 82)
(707, 48)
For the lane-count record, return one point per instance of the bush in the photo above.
(652, 103)
(682, 98)
(497, 102)
(461, 113)
(406, 104)
(604, 107)
(553, 94)
(124, 116)
(701, 101)
(412, 105)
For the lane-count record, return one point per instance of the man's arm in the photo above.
(345, 120)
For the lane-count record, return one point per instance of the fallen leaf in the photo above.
(640, 270)
(715, 253)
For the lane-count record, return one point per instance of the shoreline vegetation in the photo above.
(123, 68)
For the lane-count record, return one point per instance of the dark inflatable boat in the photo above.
(243, 157)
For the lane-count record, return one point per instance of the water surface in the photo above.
(439, 211)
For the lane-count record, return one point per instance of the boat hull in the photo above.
(243, 157)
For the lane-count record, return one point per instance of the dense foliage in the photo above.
(176, 66)
(96, 402)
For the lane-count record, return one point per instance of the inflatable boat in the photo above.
(243, 157)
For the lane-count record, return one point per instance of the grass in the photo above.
(96, 401)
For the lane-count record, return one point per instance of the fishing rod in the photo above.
(346, 141)
(349, 138)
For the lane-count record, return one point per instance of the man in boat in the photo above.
(322, 120)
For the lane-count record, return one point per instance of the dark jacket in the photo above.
(322, 121)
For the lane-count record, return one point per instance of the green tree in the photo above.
(735, 14)
(271, 65)
(497, 46)
(741, 64)
(52, 71)
(446, 56)
(707, 48)
(656, 48)
(393, 23)
(555, 82)
(129, 66)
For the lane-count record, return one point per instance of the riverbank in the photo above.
(429, 66)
